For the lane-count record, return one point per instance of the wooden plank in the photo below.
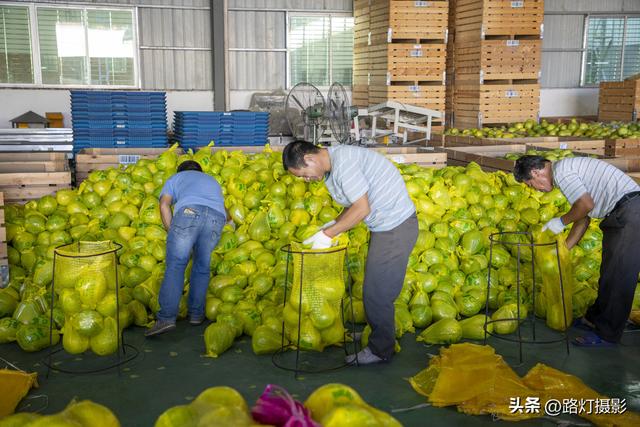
(36, 166)
(24, 194)
(31, 156)
(45, 178)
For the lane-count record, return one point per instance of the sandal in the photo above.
(591, 340)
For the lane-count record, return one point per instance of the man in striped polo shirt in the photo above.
(596, 189)
(372, 190)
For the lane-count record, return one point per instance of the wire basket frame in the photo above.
(502, 239)
(286, 345)
(74, 260)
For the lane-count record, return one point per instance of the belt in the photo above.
(624, 199)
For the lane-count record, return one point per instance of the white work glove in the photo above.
(328, 224)
(555, 226)
(318, 241)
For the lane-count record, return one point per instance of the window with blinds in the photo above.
(15, 45)
(86, 47)
(612, 50)
(320, 49)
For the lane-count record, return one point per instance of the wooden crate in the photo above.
(407, 62)
(625, 164)
(413, 21)
(427, 96)
(4, 260)
(33, 162)
(589, 146)
(486, 18)
(622, 147)
(425, 157)
(479, 104)
(635, 176)
(360, 95)
(25, 186)
(489, 157)
(499, 59)
(619, 100)
(91, 159)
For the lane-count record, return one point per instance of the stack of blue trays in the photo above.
(118, 119)
(198, 128)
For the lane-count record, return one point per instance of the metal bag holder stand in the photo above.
(277, 356)
(501, 238)
(121, 354)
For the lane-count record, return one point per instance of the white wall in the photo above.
(568, 102)
(14, 102)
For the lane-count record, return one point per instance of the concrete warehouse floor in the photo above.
(171, 370)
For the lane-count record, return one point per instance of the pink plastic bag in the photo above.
(276, 407)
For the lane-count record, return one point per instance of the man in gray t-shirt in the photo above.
(596, 189)
(372, 190)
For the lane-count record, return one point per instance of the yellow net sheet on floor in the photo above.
(14, 385)
(478, 381)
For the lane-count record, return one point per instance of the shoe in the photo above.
(591, 339)
(160, 327)
(583, 324)
(364, 357)
(196, 321)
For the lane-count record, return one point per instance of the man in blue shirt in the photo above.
(195, 225)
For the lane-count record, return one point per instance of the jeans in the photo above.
(194, 229)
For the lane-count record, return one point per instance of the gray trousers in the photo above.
(618, 271)
(383, 278)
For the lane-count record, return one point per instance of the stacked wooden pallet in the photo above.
(27, 176)
(451, 70)
(360, 86)
(619, 100)
(405, 52)
(497, 61)
(91, 159)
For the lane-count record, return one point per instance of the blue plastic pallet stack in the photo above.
(118, 119)
(195, 129)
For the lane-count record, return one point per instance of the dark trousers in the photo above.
(383, 278)
(618, 272)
